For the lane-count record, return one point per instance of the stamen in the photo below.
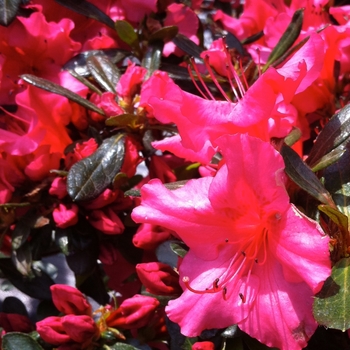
(195, 83)
(242, 74)
(193, 63)
(214, 79)
(259, 65)
(224, 292)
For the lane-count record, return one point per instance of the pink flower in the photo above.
(107, 221)
(252, 253)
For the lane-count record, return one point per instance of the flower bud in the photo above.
(107, 221)
(203, 345)
(15, 323)
(81, 328)
(65, 215)
(69, 300)
(51, 330)
(59, 187)
(134, 312)
(158, 278)
(150, 236)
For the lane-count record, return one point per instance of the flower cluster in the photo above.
(186, 163)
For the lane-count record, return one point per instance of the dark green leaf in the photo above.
(179, 248)
(187, 45)
(45, 309)
(253, 344)
(329, 159)
(166, 34)
(59, 90)
(36, 287)
(337, 182)
(126, 32)
(233, 42)
(8, 11)
(331, 306)
(85, 81)
(87, 9)
(19, 341)
(89, 177)
(133, 193)
(22, 259)
(78, 62)
(335, 132)
(152, 58)
(303, 176)
(252, 38)
(12, 305)
(121, 346)
(288, 38)
(104, 72)
(335, 215)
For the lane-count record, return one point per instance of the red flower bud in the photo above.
(107, 221)
(158, 278)
(65, 215)
(51, 330)
(150, 236)
(203, 345)
(134, 312)
(59, 187)
(15, 323)
(81, 329)
(69, 300)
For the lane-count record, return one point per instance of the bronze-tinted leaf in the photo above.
(125, 120)
(78, 62)
(87, 9)
(303, 176)
(92, 175)
(288, 38)
(104, 72)
(187, 45)
(335, 132)
(8, 11)
(59, 90)
(166, 34)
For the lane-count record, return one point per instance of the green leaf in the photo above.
(152, 59)
(337, 182)
(288, 38)
(59, 90)
(179, 248)
(335, 215)
(303, 176)
(22, 259)
(36, 287)
(329, 159)
(87, 9)
(121, 346)
(89, 177)
(104, 72)
(126, 32)
(331, 306)
(8, 11)
(187, 45)
(165, 33)
(335, 132)
(19, 341)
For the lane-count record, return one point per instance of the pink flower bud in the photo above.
(65, 215)
(59, 187)
(69, 300)
(158, 278)
(51, 330)
(150, 236)
(106, 197)
(81, 329)
(203, 345)
(134, 312)
(107, 221)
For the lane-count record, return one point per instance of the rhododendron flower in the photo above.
(254, 259)
(15, 323)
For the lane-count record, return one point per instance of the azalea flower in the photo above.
(254, 259)
(264, 110)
